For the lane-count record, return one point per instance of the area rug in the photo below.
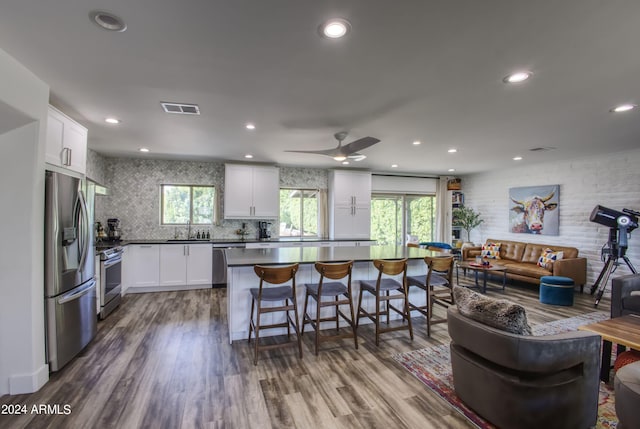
(432, 366)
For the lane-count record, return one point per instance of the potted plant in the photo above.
(466, 218)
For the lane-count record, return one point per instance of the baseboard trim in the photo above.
(29, 383)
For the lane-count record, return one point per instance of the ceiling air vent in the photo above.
(180, 108)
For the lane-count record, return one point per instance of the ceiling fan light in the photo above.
(340, 158)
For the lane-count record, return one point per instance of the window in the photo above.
(182, 204)
(298, 212)
(393, 216)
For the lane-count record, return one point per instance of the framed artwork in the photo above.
(535, 210)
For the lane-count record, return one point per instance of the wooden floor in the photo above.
(163, 360)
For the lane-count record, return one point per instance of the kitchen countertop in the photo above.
(307, 255)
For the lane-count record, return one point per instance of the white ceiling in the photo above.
(409, 70)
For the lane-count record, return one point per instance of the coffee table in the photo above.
(484, 269)
(624, 331)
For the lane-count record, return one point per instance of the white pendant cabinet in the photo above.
(251, 192)
(66, 142)
(349, 204)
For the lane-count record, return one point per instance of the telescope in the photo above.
(627, 218)
(620, 225)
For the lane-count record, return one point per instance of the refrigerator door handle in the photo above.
(84, 230)
(73, 295)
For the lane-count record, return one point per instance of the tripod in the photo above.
(614, 252)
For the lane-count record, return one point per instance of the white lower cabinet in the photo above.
(158, 267)
(143, 265)
(185, 264)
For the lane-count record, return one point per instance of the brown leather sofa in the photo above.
(522, 381)
(521, 260)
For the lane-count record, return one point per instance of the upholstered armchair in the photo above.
(625, 295)
(523, 381)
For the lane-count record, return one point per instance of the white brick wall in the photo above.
(612, 180)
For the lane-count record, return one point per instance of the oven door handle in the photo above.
(112, 261)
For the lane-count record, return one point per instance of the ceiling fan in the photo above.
(341, 153)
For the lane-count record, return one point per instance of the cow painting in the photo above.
(528, 215)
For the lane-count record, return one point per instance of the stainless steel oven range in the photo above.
(110, 280)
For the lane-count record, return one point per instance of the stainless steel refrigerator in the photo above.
(70, 286)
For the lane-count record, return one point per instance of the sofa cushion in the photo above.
(497, 313)
(511, 250)
(548, 257)
(528, 270)
(491, 251)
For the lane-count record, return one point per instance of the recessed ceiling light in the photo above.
(417, 143)
(112, 120)
(345, 162)
(517, 77)
(451, 170)
(107, 21)
(335, 28)
(143, 149)
(452, 150)
(623, 108)
(394, 165)
(517, 158)
(248, 156)
(250, 126)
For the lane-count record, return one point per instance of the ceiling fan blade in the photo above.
(360, 144)
(328, 152)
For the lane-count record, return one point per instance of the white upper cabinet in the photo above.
(251, 192)
(350, 187)
(349, 204)
(66, 144)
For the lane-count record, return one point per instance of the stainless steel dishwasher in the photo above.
(220, 262)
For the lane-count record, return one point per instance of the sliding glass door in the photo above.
(394, 216)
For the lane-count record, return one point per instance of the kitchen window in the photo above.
(394, 216)
(182, 204)
(299, 212)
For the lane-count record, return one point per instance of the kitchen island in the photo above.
(241, 277)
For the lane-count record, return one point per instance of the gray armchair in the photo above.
(521, 381)
(623, 300)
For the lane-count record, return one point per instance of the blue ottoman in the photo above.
(556, 290)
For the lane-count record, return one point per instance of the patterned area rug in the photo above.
(432, 366)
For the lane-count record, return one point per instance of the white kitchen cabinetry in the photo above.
(143, 265)
(251, 192)
(185, 264)
(349, 204)
(66, 143)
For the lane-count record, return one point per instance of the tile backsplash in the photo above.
(134, 193)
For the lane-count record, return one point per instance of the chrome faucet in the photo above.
(188, 230)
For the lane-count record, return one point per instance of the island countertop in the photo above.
(309, 255)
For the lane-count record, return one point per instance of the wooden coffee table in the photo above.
(484, 269)
(624, 331)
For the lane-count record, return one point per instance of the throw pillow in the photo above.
(497, 313)
(548, 257)
(491, 251)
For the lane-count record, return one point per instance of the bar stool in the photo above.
(261, 294)
(329, 289)
(380, 288)
(437, 284)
